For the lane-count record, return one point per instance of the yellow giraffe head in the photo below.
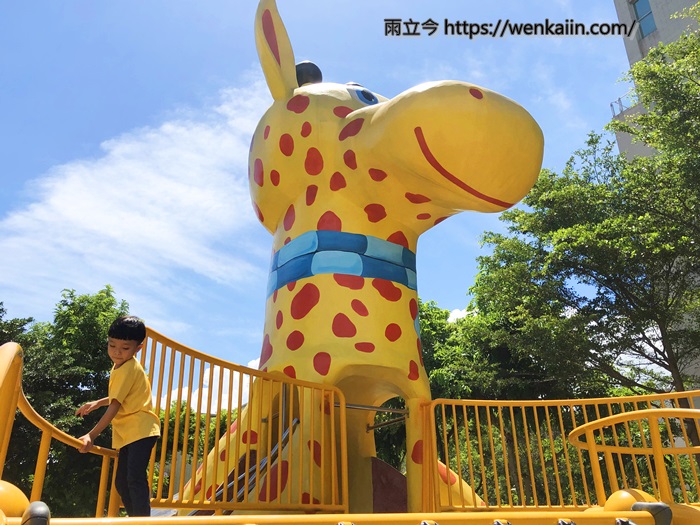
(340, 157)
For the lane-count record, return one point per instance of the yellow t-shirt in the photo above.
(135, 418)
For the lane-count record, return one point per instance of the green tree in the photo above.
(13, 329)
(609, 286)
(65, 365)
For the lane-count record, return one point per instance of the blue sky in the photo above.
(125, 126)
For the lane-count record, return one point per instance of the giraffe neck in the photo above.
(327, 251)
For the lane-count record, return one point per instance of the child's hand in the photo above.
(87, 443)
(86, 408)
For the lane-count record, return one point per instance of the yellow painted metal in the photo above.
(664, 442)
(278, 443)
(10, 383)
(518, 454)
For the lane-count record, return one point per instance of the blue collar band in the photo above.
(328, 251)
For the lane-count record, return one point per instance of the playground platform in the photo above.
(617, 461)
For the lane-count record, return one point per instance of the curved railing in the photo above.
(516, 455)
(12, 398)
(644, 449)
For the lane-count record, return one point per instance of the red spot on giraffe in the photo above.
(387, 289)
(222, 456)
(270, 35)
(198, 487)
(417, 198)
(295, 340)
(476, 93)
(266, 133)
(322, 363)
(289, 218)
(413, 372)
(279, 319)
(359, 307)
(306, 498)
(349, 159)
(290, 371)
(315, 449)
(311, 192)
(314, 162)
(392, 332)
(258, 173)
(326, 407)
(279, 475)
(354, 282)
(351, 129)
(275, 177)
(291, 286)
(442, 470)
(258, 213)
(375, 212)
(413, 308)
(210, 491)
(343, 326)
(423, 216)
(398, 238)
(438, 221)
(305, 300)
(287, 144)
(298, 103)
(287, 240)
(337, 181)
(329, 221)
(417, 452)
(250, 437)
(234, 427)
(306, 129)
(377, 175)
(274, 296)
(419, 346)
(266, 351)
(342, 111)
(365, 347)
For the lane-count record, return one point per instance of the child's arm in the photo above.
(92, 405)
(103, 423)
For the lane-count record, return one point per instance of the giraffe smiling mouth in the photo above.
(422, 143)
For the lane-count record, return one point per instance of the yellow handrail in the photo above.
(12, 398)
(10, 384)
(657, 424)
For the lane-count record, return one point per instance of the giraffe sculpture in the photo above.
(346, 180)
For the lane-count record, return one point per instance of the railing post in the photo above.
(658, 452)
(595, 468)
(40, 469)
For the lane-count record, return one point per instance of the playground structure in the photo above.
(346, 180)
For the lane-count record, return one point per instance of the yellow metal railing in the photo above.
(653, 450)
(11, 399)
(203, 402)
(515, 454)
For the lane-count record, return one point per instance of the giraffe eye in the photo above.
(365, 96)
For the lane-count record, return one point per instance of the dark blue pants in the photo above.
(132, 479)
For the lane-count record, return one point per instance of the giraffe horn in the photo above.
(275, 51)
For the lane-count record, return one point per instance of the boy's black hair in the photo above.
(128, 328)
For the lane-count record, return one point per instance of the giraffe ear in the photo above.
(275, 51)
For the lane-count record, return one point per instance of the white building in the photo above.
(653, 25)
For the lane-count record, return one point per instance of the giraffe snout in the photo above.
(476, 149)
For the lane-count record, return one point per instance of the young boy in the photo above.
(135, 427)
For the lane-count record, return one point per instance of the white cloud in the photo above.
(456, 314)
(157, 202)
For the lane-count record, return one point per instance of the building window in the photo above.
(645, 18)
